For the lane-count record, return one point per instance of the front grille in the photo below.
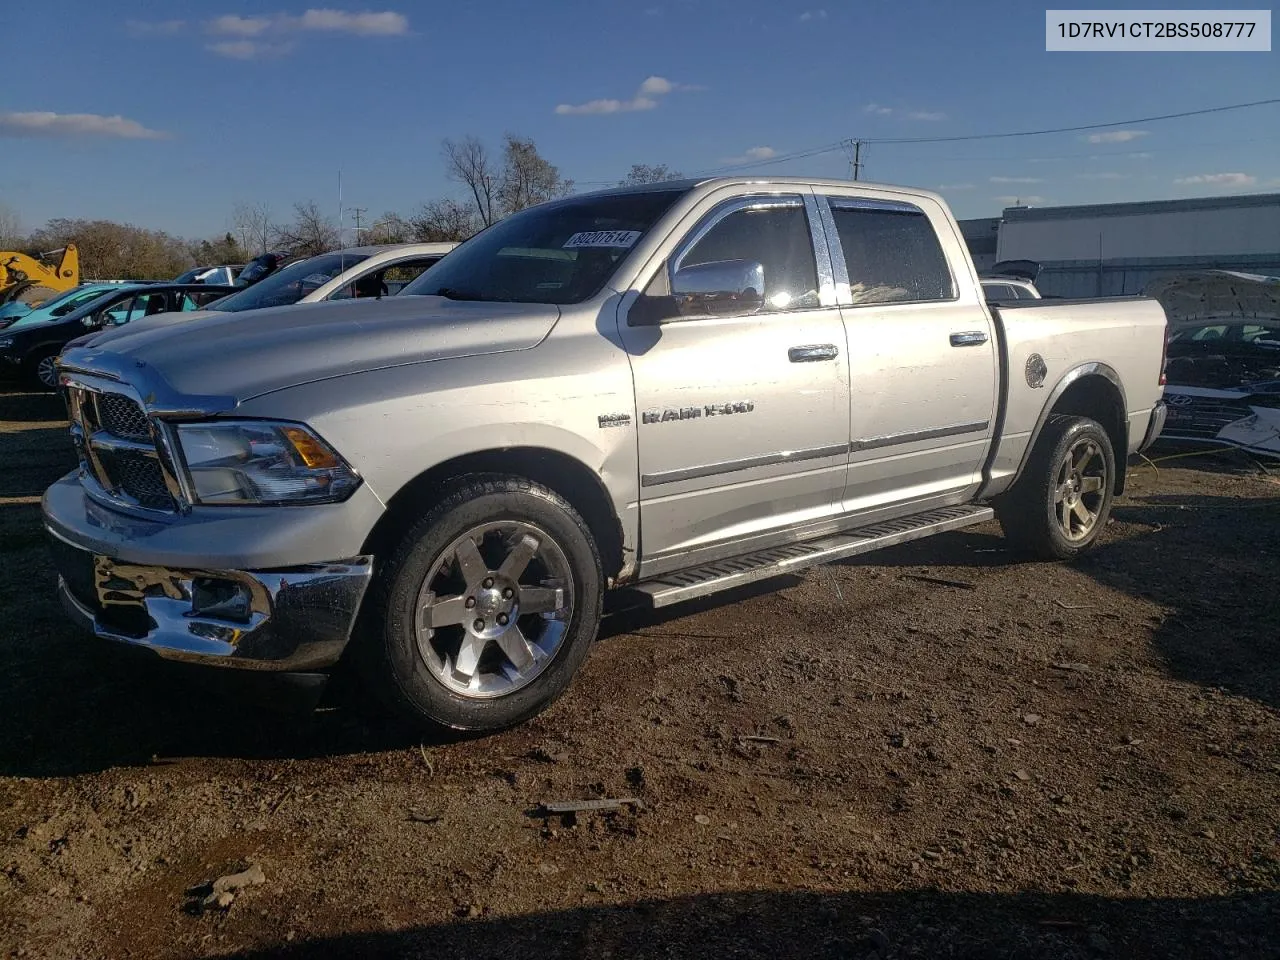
(121, 417)
(140, 477)
(117, 451)
(1202, 418)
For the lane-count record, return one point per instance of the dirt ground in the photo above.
(932, 752)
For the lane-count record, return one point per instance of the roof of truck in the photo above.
(689, 183)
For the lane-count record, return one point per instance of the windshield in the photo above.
(559, 253)
(61, 306)
(256, 269)
(291, 284)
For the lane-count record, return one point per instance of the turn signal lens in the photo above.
(313, 453)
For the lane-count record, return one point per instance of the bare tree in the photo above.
(253, 227)
(443, 220)
(310, 233)
(468, 163)
(11, 236)
(641, 173)
(528, 178)
(388, 228)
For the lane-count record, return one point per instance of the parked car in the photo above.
(1224, 359)
(670, 390)
(56, 307)
(222, 276)
(29, 346)
(1009, 288)
(378, 271)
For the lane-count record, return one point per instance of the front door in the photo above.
(743, 419)
(922, 352)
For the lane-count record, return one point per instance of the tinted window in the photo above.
(292, 283)
(561, 252)
(778, 239)
(385, 281)
(891, 252)
(999, 291)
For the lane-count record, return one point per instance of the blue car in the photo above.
(56, 307)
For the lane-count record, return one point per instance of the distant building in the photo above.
(1113, 249)
(981, 236)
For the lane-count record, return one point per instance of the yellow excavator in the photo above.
(25, 279)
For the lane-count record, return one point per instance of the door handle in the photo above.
(815, 351)
(969, 338)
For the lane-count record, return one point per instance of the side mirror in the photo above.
(719, 287)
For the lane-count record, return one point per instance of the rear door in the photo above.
(743, 419)
(922, 351)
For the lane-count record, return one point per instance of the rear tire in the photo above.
(486, 609)
(1058, 507)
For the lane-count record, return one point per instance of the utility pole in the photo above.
(356, 214)
(855, 162)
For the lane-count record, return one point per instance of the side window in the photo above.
(891, 253)
(384, 282)
(778, 238)
(999, 291)
(398, 275)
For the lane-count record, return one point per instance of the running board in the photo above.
(779, 561)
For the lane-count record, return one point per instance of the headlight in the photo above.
(258, 462)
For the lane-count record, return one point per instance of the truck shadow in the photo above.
(816, 926)
(1210, 561)
(20, 404)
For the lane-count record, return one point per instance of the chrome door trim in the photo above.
(894, 439)
(746, 463)
(767, 201)
(828, 292)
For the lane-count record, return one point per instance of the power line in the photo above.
(850, 143)
(1076, 129)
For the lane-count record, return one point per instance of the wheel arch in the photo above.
(1092, 390)
(564, 474)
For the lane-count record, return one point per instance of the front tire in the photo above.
(1059, 506)
(483, 614)
(42, 373)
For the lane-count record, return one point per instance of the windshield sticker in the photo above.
(318, 279)
(603, 238)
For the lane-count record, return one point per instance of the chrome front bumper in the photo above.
(290, 620)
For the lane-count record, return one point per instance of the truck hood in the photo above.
(238, 356)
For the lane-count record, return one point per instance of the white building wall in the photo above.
(1179, 233)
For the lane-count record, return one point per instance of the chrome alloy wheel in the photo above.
(494, 609)
(47, 371)
(1080, 489)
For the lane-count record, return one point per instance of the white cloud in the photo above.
(249, 33)
(158, 28)
(249, 49)
(1016, 180)
(955, 186)
(1219, 180)
(751, 154)
(643, 100)
(1010, 200)
(386, 23)
(231, 25)
(1115, 136)
(926, 115)
(813, 15)
(47, 124)
(1103, 175)
(877, 109)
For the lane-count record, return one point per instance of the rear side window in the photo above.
(891, 252)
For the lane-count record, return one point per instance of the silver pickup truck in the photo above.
(669, 390)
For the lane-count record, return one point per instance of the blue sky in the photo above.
(168, 114)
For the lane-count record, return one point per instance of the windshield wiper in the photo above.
(453, 293)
